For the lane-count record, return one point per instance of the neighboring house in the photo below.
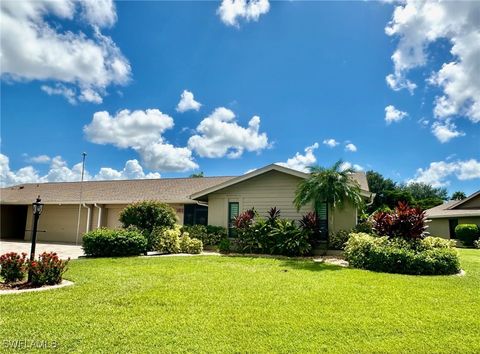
(212, 200)
(444, 218)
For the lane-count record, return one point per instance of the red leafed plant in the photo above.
(48, 269)
(13, 266)
(245, 219)
(273, 215)
(405, 222)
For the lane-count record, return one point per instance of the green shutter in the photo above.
(322, 211)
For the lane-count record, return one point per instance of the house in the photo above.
(212, 200)
(445, 217)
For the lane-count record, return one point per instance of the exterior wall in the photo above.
(111, 214)
(440, 227)
(269, 190)
(343, 218)
(473, 203)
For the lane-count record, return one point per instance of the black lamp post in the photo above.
(37, 208)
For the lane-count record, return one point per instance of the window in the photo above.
(195, 214)
(233, 211)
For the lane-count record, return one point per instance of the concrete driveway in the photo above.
(63, 250)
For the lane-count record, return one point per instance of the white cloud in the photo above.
(220, 135)
(39, 159)
(350, 147)
(187, 102)
(127, 128)
(346, 165)
(446, 131)
(61, 90)
(301, 162)
(143, 132)
(437, 172)
(230, 11)
(331, 142)
(60, 172)
(394, 115)
(34, 47)
(417, 24)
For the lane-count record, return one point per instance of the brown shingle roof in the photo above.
(168, 190)
(444, 211)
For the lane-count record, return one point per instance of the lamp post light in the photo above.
(37, 208)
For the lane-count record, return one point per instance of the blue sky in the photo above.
(310, 71)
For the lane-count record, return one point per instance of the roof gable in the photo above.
(465, 203)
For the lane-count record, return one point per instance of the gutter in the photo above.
(202, 203)
(89, 216)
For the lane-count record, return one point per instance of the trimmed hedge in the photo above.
(114, 242)
(467, 233)
(209, 235)
(429, 256)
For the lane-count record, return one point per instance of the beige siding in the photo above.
(343, 218)
(112, 215)
(265, 191)
(440, 227)
(473, 203)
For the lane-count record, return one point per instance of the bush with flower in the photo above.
(48, 269)
(13, 266)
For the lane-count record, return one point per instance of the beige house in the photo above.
(212, 200)
(444, 218)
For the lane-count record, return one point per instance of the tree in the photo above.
(458, 195)
(386, 194)
(424, 195)
(333, 186)
(197, 175)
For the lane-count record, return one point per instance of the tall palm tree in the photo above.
(334, 186)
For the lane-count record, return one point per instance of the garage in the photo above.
(13, 219)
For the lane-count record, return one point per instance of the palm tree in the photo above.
(333, 186)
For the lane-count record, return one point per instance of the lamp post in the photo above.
(84, 154)
(37, 208)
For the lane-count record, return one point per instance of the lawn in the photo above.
(242, 304)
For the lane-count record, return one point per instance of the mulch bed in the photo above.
(19, 285)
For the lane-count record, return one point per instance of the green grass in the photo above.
(241, 304)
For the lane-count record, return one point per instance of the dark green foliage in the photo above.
(365, 226)
(224, 246)
(289, 239)
(48, 269)
(458, 195)
(467, 233)
(209, 235)
(332, 185)
(419, 257)
(146, 216)
(311, 225)
(197, 175)
(337, 240)
(114, 242)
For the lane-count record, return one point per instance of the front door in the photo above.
(452, 224)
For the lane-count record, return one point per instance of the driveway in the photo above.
(63, 250)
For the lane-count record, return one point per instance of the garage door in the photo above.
(58, 223)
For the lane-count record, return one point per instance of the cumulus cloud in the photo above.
(219, 135)
(437, 172)
(446, 131)
(350, 147)
(39, 159)
(230, 11)
(393, 115)
(331, 142)
(187, 102)
(143, 132)
(418, 24)
(301, 162)
(346, 165)
(81, 65)
(59, 171)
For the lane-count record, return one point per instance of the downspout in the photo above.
(89, 216)
(372, 197)
(202, 203)
(99, 218)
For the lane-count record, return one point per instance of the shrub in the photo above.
(47, 270)
(436, 242)
(396, 255)
(311, 225)
(224, 246)
(289, 239)
(467, 233)
(13, 266)
(190, 245)
(146, 216)
(338, 239)
(209, 235)
(403, 222)
(365, 226)
(167, 240)
(114, 242)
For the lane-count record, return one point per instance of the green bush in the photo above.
(146, 216)
(190, 245)
(467, 233)
(48, 269)
(431, 256)
(337, 240)
(209, 235)
(167, 240)
(224, 246)
(114, 242)
(288, 239)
